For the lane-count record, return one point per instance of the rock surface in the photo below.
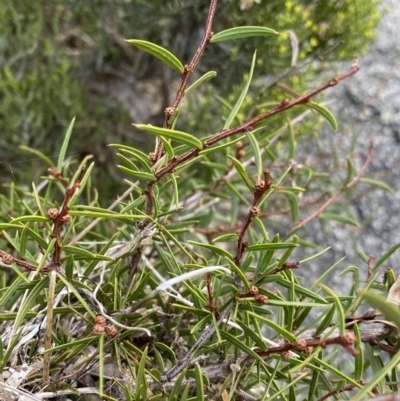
(368, 108)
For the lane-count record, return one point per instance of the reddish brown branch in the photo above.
(9, 259)
(307, 346)
(349, 387)
(210, 305)
(188, 70)
(284, 105)
(62, 217)
(59, 217)
(285, 266)
(260, 188)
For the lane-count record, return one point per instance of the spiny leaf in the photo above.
(157, 51)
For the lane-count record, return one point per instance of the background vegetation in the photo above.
(185, 288)
(60, 59)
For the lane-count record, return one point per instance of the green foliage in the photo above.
(182, 288)
(62, 59)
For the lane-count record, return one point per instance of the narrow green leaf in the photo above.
(22, 242)
(359, 359)
(105, 215)
(222, 146)
(292, 141)
(256, 153)
(312, 391)
(82, 302)
(271, 245)
(337, 372)
(241, 32)
(261, 226)
(251, 333)
(168, 147)
(350, 171)
(69, 267)
(285, 256)
(339, 218)
(390, 277)
(368, 387)
(314, 256)
(377, 183)
(266, 258)
(373, 356)
(10, 291)
(29, 303)
(85, 254)
(199, 383)
(362, 255)
(389, 310)
(176, 389)
(302, 290)
(289, 336)
(242, 173)
(185, 393)
(284, 389)
(296, 303)
(167, 349)
(235, 196)
(326, 321)
(39, 154)
(385, 256)
(139, 175)
(294, 205)
(178, 136)
(157, 51)
(141, 380)
(356, 276)
(84, 182)
(208, 75)
(324, 113)
(101, 363)
(242, 96)
(239, 272)
(30, 218)
(340, 312)
(128, 163)
(213, 248)
(137, 154)
(241, 345)
(64, 146)
(226, 238)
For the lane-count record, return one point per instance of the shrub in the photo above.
(60, 59)
(180, 289)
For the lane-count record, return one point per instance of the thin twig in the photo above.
(204, 337)
(188, 70)
(247, 126)
(338, 193)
